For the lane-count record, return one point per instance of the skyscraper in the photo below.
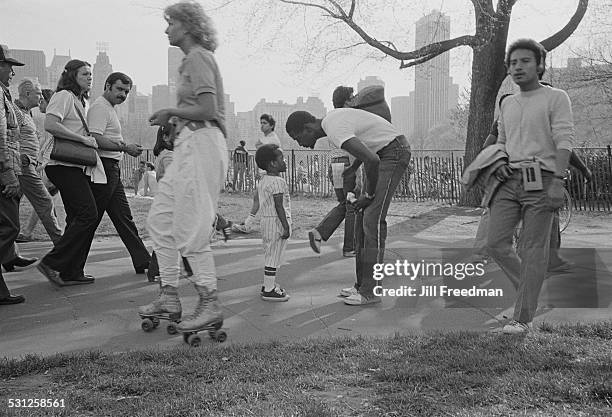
(101, 70)
(175, 57)
(55, 69)
(35, 66)
(432, 80)
(402, 113)
(161, 98)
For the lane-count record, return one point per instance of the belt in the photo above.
(113, 160)
(341, 159)
(196, 125)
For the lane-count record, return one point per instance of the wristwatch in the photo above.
(368, 196)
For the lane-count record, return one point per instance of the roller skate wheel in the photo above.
(186, 337)
(171, 329)
(221, 336)
(147, 325)
(194, 340)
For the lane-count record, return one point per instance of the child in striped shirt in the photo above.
(272, 199)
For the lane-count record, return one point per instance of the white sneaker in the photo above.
(360, 300)
(347, 292)
(515, 327)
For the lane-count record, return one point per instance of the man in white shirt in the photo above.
(536, 129)
(385, 155)
(110, 197)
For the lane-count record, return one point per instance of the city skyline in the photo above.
(252, 67)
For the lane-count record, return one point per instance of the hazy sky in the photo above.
(261, 45)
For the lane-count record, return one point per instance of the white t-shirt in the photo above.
(102, 119)
(61, 105)
(272, 138)
(342, 124)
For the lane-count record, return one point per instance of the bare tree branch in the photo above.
(561, 36)
(302, 3)
(352, 11)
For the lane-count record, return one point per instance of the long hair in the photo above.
(68, 79)
(195, 21)
(160, 143)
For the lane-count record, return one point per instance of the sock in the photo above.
(269, 278)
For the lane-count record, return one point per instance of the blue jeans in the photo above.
(343, 211)
(509, 204)
(371, 223)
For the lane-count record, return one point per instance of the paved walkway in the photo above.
(103, 315)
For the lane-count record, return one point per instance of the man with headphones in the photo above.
(537, 130)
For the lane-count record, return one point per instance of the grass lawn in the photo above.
(558, 371)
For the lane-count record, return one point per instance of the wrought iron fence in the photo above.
(432, 175)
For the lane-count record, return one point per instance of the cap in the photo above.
(5, 56)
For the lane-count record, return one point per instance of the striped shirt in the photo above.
(267, 188)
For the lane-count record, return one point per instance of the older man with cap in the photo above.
(10, 168)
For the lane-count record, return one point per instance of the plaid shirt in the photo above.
(9, 133)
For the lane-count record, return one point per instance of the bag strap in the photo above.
(82, 118)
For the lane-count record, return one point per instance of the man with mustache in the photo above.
(110, 197)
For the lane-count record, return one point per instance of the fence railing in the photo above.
(432, 175)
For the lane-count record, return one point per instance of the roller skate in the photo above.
(207, 316)
(166, 307)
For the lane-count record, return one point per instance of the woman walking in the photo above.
(184, 207)
(64, 119)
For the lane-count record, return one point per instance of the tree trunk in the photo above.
(488, 73)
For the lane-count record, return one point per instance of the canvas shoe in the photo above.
(360, 300)
(275, 294)
(515, 327)
(347, 292)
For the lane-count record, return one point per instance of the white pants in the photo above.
(183, 211)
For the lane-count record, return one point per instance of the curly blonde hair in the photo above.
(196, 22)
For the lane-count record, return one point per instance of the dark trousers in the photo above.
(9, 229)
(110, 198)
(69, 254)
(371, 223)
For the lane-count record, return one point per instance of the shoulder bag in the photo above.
(66, 150)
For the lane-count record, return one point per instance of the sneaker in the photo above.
(315, 240)
(276, 294)
(515, 327)
(347, 292)
(349, 254)
(360, 300)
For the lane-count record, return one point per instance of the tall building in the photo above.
(432, 80)
(175, 57)
(369, 81)
(101, 70)
(402, 113)
(160, 98)
(35, 66)
(453, 95)
(55, 69)
(231, 123)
